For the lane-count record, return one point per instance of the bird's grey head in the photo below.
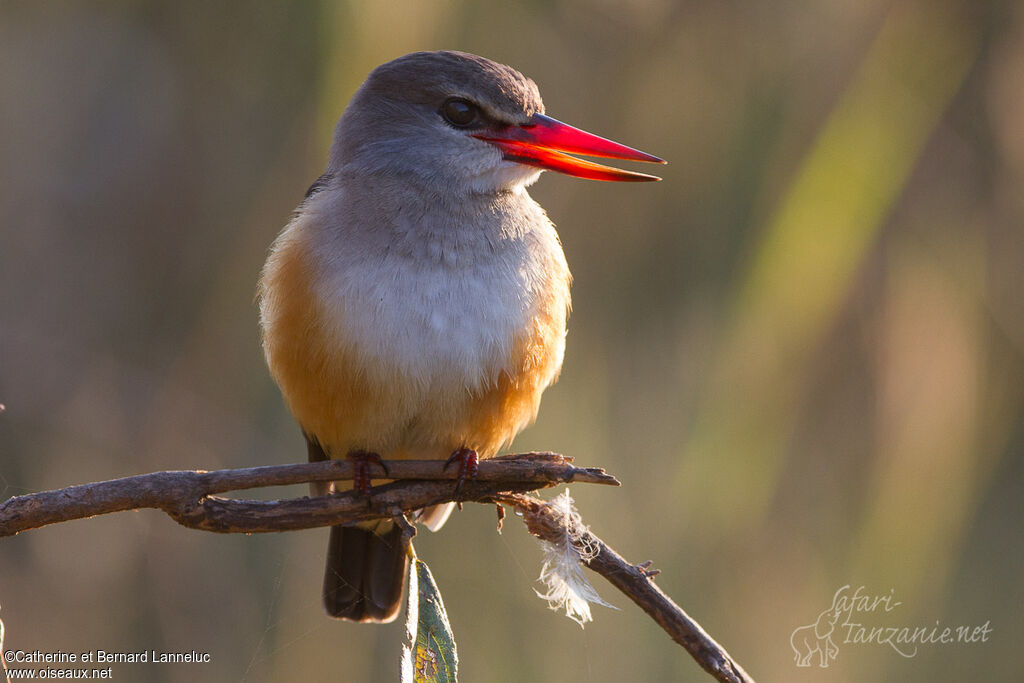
(417, 119)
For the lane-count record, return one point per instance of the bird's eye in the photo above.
(459, 112)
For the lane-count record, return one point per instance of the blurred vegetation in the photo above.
(803, 352)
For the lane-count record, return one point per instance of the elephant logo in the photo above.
(816, 638)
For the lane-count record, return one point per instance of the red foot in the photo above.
(361, 461)
(469, 465)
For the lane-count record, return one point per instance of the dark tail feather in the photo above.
(366, 568)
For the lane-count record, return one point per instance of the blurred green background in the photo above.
(802, 353)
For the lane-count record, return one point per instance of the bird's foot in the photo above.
(361, 476)
(469, 465)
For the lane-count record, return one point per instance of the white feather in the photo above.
(562, 573)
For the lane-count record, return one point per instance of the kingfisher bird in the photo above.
(415, 306)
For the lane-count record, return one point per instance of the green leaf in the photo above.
(428, 655)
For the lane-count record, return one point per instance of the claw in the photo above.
(469, 465)
(361, 476)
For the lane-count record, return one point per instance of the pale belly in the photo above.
(413, 360)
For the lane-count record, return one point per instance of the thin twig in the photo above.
(635, 581)
(187, 495)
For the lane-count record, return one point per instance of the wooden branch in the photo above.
(187, 495)
(635, 581)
